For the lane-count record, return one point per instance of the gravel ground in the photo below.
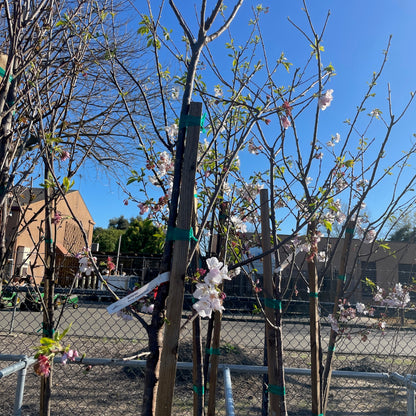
(118, 390)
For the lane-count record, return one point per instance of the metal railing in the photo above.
(228, 393)
(23, 362)
(20, 367)
(406, 381)
(98, 334)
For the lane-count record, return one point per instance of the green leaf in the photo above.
(67, 184)
(47, 341)
(328, 225)
(65, 331)
(370, 284)
(329, 68)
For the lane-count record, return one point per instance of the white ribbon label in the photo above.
(138, 294)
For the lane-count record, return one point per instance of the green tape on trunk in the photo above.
(349, 231)
(213, 351)
(273, 303)
(342, 277)
(199, 390)
(175, 234)
(313, 294)
(277, 390)
(187, 120)
(3, 73)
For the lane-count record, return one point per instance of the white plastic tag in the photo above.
(138, 294)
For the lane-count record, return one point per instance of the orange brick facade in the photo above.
(27, 253)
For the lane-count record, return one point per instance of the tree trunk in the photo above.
(273, 309)
(314, 325)
(349, 231)
(49, 287)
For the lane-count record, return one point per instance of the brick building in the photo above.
(27, 249)
(383, 263)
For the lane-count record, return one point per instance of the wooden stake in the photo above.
(179, 264)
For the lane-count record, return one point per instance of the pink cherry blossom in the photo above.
(148, 308)
(285, 122)
(57, 218)
(288, 109)
(325, 100)
(209, 296)
(334, 323)
(64, 155)
(361, 308)
(70, 355)
(253, 149)
(143, 208)
(370, 235)
(42, 367)
(218, 91)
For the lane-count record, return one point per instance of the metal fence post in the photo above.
(410, 396)
(228, 393)
(21, 378)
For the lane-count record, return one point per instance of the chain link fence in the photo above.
(108, 390)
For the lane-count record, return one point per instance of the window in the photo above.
(368, 271)
(407, 274)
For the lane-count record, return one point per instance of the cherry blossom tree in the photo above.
(50, 112)
(308, 184)
(54, 64)
(249, 110)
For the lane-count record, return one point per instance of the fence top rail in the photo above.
(22, 362)
(406, 380)
(237, 368)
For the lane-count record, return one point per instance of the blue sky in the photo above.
(356, 35)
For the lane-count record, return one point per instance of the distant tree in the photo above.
(403, 229)
(107, 238)
(142, 236)
(406, 233)
(119, 223)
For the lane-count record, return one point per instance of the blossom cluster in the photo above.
(346, 312)
(58, 217)
(334, 213)
(48, 349)
(253, 149)
(398, 297)
(209, 295)
(249, 191)
(325, 100)
(284, 118)
(162, 168)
